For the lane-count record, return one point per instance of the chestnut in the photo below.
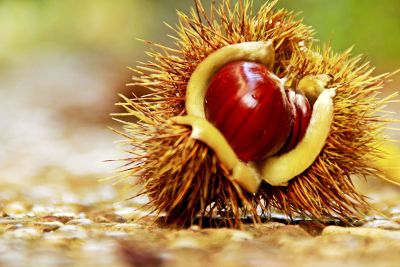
(250, 107)
(298, 151)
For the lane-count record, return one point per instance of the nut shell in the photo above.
(248, 104)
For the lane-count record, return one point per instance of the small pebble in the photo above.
(49, 226)
(241, 236)
(126, 227)
(81, 222)
(396, 218)
(130, 213)
(71, 231)
(13, 226)
(65, 213)
(23, 233)
(185, 242)
(42, 211)
(395, 211)
(114, 233)
(195, 228)
(382, 224)
(61, 219)
(108, 218)
(14, 208)
(362, 232)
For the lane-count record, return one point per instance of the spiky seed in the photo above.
(183, 177)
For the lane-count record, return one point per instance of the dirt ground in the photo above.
(59, 220)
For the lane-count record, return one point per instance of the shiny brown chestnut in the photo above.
(250, 107)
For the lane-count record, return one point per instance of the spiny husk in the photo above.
(325, 190)
(198, 35)
(183, 177)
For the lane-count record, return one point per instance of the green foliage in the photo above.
(107, 26)
(372, 26)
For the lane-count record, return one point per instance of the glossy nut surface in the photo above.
(248, 104)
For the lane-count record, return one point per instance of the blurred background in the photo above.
(62, 64)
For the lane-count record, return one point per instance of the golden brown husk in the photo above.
(183, 177)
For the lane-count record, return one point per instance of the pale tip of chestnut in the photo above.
(313, 85)
(244, 174)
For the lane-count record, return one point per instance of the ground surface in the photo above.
(75, 222)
